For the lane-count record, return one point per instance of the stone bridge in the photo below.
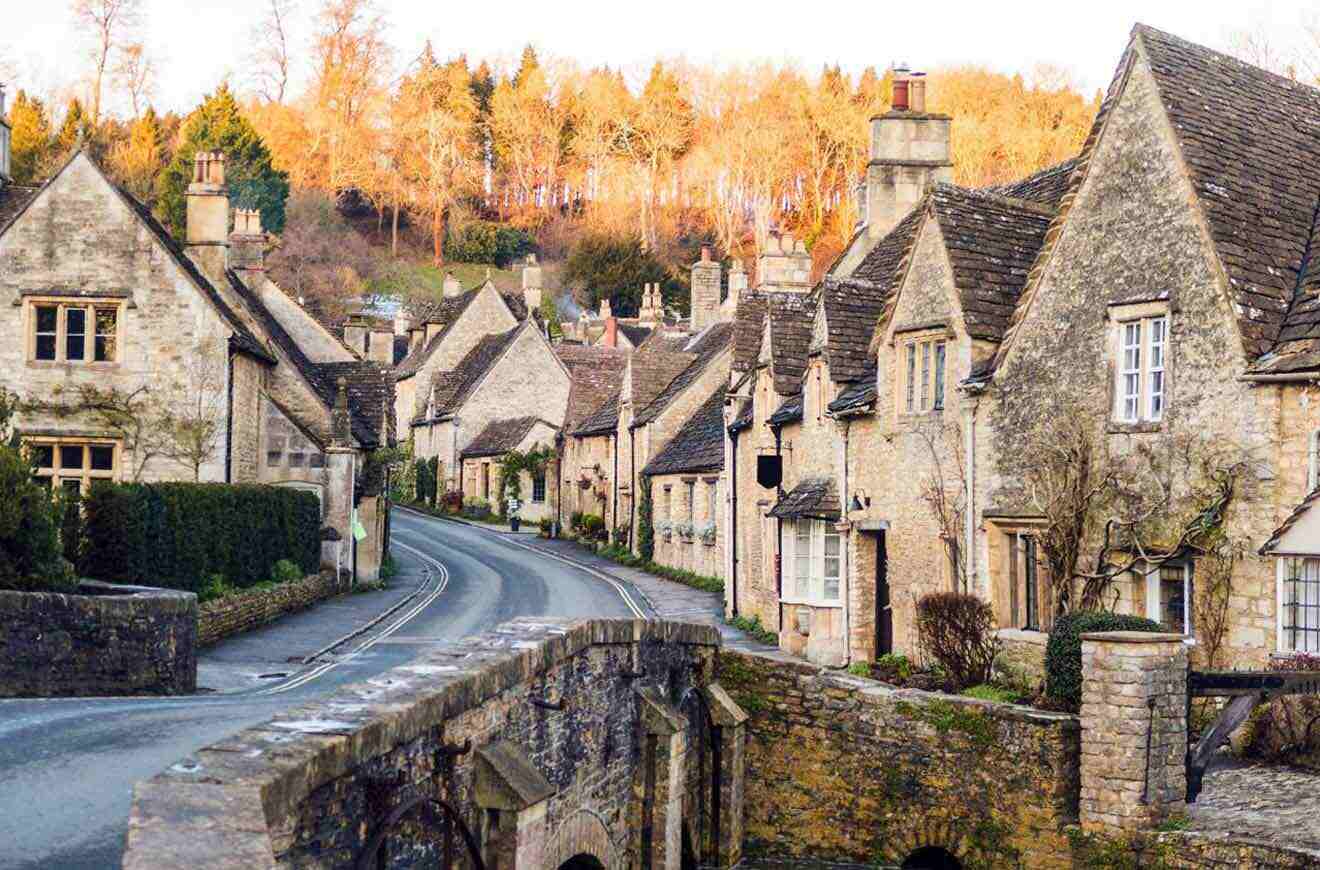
(544, 744)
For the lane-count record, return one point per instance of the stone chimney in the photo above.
(909, 152)
(381, 342)
(356, 332)
(341, 424)
(611, 332)
(737, 286)
(652, 312)
(247, 243)
(5, 171)
(531, 284)
(705, 291)
(452, 286)
(208, 214)
(784, 266)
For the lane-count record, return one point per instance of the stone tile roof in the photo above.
(446, 311)
(368, 382)
(1046, 187)
(992, 242)
(748, 327)
(14, 199)
(517, 304)
(1249, 139)
(636, 334)
(813, 497)
(450, 389)
(857, 396)
(595, 374)
(601, 421)
(501, 436)
(704, 348)
(743, 419)
(1298, 512)
(791, 316)
(790, 411)
(699, 445)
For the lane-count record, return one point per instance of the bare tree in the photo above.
(135, 417)
(270, 51)
(136, 73)
(194, 417)
(947, 499)
(110, 22)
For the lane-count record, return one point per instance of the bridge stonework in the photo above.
(541, 744)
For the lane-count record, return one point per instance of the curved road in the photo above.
(67, 766)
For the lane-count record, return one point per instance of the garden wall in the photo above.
(841, 768)
(107, 640)
(253, 608)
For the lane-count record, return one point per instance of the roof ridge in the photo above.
(1140, 29)
(994, 196)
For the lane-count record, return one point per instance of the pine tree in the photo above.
(77, 127)
(526, 65)
(30, 140)
(138, 161)
(218, 125)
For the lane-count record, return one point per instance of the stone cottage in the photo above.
(587, 463)
(107, 309)
(482, 475)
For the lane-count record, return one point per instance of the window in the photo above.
(924, 389)
(1299, 605)
(816, 560)
(1313, 461)
(73, 465)
(711, 501)
(1024, 570)
(485, 480)
(538, 487)
(1169, 596)
(691, 487)
(1141, 392)
(74, 333)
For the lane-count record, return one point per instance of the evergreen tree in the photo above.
(30, 140)
(254, 182)
(137, 161)
(77, 127)
(526, 65)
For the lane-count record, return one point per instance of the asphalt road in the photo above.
(67, 766)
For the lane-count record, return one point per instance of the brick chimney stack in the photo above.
(909, 152)
(611, 332)
(207, 234)
(705, 291)
(247, 243)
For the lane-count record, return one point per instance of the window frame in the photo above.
(92, 310)
(922, 378)
(538, 483)
(1283, 643)
(1142, 346)
(57, 474)
(1152, 580)
(812, 589)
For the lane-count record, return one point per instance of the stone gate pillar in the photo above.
(730, 726)
(1134, 730)
(663, 775)
(513, 796)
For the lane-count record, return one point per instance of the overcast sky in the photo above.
(199, 42)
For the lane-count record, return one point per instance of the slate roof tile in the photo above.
(1046, 187)
(748, 327)
(743, 419)
(790, 411)
(595, 374)
(601, 421)
(703, 348)
(813, 497)
(501, 436)
(446, 311)
(791, 316)
(857, 396)
(698, 445)
(13, 199)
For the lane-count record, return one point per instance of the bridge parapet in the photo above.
(540, 743)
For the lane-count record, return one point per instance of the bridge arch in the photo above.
(931, 858)
(582, 842)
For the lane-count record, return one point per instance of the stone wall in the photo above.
(244, 611)
(845, 769)
(107, 640)
(691, 552)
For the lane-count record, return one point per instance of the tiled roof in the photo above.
(858, 395)
(813, 497)
(992, 242)
(704, 348)
(698, 445)
(452, 388)
(791, 315)
(13, 199)
(1298, 512)
(601, 421)
(636, 334)
(501, 436)
(790, 411)
(595, 374)
(365, 382)
(446, 311)
(748, 326)
(1249, 139)
(1046, 187)
(517, 304)
(743, 419)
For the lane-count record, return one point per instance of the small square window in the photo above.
(71, 456)
(103, 457)
(297, 460)
(43, 455)
(274, 458)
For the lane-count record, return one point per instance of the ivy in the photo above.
(514, 463)
(645, 524)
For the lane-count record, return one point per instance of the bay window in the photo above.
(813, 563)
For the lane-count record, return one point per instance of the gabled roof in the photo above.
(705, 347)
(748, 327)
(602, 421)
(446, 311)
(743, 419)
(450, 389)
(653, 367)
(595, 374)
(813, 497)
(635, 334)
(1298, 512)
(790, 316)
(790, 411)
(992, 242)
(501, 436)
(699, 445)
(1046, 187)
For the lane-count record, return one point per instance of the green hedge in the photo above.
(1063, 653)
(178, 535)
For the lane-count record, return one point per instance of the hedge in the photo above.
(179, 535)
(1063, 653)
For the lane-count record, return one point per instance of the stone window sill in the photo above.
(1140, 428)
(80, 366)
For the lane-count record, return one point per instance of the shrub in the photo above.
(30, 554)
(991, 692)
(286, 572)
(179, 534)
(487, 242)
(214, 589)
(957, 631)
(645, 528)
(1063, 653)
(1287, 729)
(71, 532)
(452, 502)
(546, 526)
(593, 527)
(475, 508)
(893, 666)
(755, 630)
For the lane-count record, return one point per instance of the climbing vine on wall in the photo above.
(645, 527)
(535, 461)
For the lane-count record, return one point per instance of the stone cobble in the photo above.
(1271, 804)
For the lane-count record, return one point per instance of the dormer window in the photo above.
(921, 380)
(1141, 388)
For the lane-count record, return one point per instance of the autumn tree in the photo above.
(218, 124)
(137, 161)
(30, 140)
(659, 132)
(527, 131)
(76, 127)
(110, 23)
(136, 73)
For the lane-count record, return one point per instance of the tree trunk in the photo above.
(394, 232)
(438, 216)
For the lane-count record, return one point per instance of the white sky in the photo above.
(196, 43)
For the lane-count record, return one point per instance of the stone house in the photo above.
(104, 299)
(481, 471)
(587, 464)
(508, 373)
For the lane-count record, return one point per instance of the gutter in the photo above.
(779, 535)
(1284, 378)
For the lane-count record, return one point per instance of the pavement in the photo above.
(68, 765)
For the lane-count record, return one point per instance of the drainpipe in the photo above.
(969, 508)
(229, 419)
(779, 535)
(733, 523)
(614, 481)
(632, 476)
(845, 578)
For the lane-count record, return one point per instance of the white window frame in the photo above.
(1311, 622)
(1312, 460)
(812, 587)
(1152, 592)
(1141, 382)
(924, 359)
